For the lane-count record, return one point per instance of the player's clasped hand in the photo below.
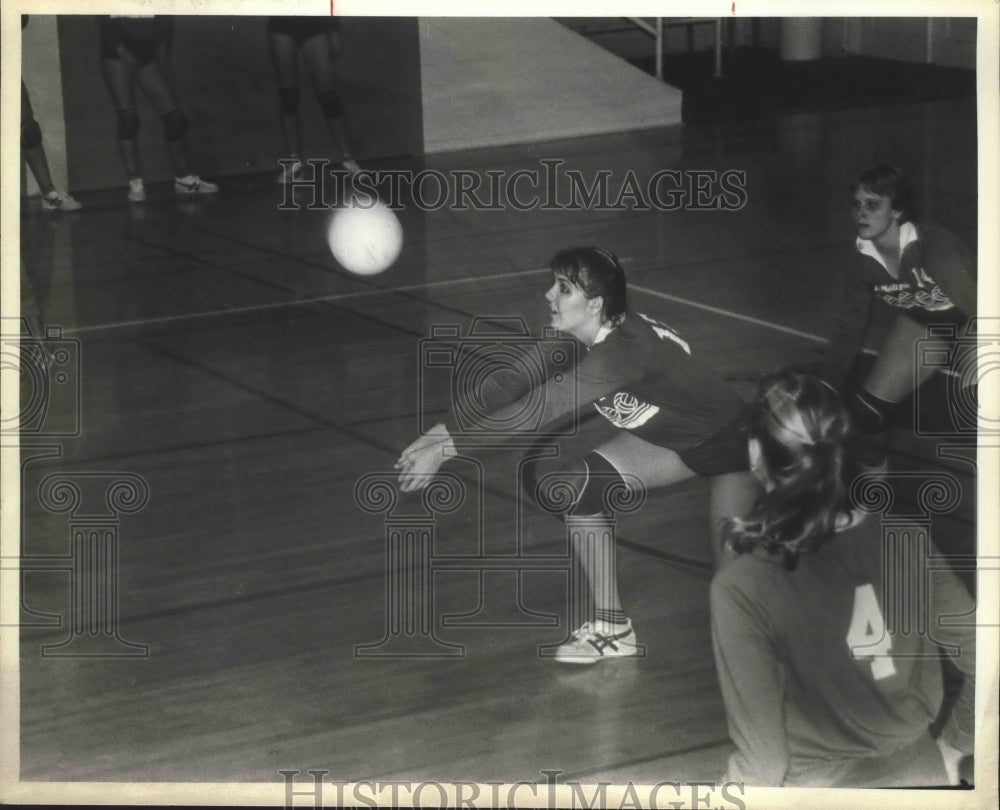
(423, 458)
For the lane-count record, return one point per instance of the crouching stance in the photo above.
(677, 419)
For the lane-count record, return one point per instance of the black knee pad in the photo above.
(175, 124)
(603, 480)
(31, 134)
(330, 104)
(128, 124)
(289, 100)
(870, 413)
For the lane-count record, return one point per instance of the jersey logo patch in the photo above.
(932, 300)
(625, 411)
(926, 294)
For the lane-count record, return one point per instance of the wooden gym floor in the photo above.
(231, 370)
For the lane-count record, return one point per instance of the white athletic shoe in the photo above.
(193, 184)
(136, 190)
(594, 641)
(59, 201)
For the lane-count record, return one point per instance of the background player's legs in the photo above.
(119, 78)
(285, 58)
(31, 145)
(319, 58)
(895, 375)
(156, 88)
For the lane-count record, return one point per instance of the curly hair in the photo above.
(801, 428)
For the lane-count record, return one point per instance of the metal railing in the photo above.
(655, 29)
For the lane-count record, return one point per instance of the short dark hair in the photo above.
(888, 181)
(598, 273)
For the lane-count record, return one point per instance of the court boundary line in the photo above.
(424, 285)
(728, 313)
(360, 294)
(279, 305)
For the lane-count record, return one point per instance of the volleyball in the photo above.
(365, 236)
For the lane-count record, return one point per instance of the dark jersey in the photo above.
(825, 670)
(936, 284)
(640, 376)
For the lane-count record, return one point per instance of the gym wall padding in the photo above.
(221, 72)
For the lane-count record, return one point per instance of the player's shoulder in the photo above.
(654, 333)
(934, 236)
(927, 229)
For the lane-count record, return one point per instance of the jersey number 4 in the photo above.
(866, 636)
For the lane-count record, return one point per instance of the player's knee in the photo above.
(175, 124)
(582, 488)
(31, 134)
(128, 125)
(603, 484)
(330, 104)
(870, 413)
(289, 100)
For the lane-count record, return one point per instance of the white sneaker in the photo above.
(290, 174)
(136, 190)
(193, 184)
(597, 640)
(60, 201)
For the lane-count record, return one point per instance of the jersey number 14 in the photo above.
(866, 636)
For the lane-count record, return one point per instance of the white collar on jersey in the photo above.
(602, 333)
(907, 234)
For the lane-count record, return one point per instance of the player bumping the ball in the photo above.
(676, 417)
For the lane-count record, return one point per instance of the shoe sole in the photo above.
(587, 658)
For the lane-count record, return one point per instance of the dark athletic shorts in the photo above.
(302, 28)
(140, 36)
(725, 452)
